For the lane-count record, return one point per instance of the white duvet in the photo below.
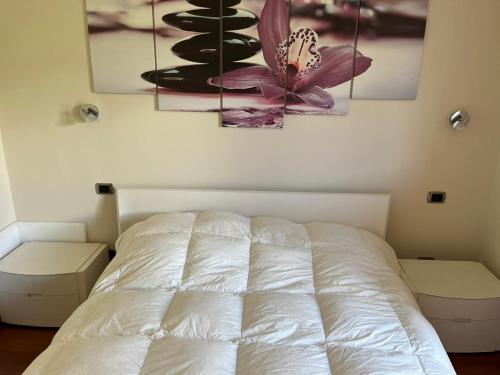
(219, 293)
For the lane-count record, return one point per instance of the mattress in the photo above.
(219, 293)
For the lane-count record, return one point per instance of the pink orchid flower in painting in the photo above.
(307, 71)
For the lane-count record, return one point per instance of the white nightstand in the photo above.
(460, 299)
(42, 283)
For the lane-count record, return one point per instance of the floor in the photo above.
(21, 345)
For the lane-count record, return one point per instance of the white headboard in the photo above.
(367, 211)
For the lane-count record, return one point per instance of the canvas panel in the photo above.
(188, 54)
(253, 93)
(121, 45)
(321, 55)
(392, 33)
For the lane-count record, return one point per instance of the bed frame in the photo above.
(367, 211)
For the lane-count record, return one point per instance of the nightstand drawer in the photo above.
(467, 336)
(56, 285)
(456, 308)
(37, 310)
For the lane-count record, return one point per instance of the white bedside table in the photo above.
(42, 283)
(460, 299)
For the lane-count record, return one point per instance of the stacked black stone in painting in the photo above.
(204, 48)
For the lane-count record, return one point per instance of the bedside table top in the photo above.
(48, 258)
(451, 279)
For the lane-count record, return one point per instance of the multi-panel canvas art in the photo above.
(256, 60)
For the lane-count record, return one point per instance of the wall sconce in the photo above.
(89, 112)
(459, 119)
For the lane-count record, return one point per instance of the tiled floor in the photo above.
(21, 345)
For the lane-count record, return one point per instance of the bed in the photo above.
(243, 289)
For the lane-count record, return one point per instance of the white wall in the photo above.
(404, 148)
(7, 213)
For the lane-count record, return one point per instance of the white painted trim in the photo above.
(25, 231)
(367, 211)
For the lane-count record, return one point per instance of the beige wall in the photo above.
(404, 148)
(7, 213)
(492, 250)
